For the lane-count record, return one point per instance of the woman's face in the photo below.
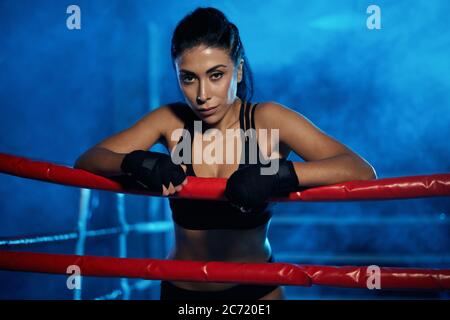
(209, 74)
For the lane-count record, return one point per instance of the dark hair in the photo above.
(210, 27)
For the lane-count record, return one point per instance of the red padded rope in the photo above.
(213, 271)
(213, 188)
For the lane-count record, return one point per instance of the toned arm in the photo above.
(105, 157)
(327, 160)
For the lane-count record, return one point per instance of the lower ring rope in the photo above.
(255, 273)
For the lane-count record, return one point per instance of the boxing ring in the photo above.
(436, 185)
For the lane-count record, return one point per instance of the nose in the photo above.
(202, 94)
(200, 101)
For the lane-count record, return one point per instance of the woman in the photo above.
(215, 79)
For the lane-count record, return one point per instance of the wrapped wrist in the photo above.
(132, 161)
(286, 176)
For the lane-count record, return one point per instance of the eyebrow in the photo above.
(207, 71)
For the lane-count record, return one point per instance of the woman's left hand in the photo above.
(250, 187)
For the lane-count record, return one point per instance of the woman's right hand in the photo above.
(172, 189)
(155, 170)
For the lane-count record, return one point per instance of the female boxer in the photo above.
(214, 76)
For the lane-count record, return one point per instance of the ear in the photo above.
(239, 73)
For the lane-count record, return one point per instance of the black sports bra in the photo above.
(211, 214)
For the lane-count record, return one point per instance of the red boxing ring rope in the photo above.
(213, 188)
(256, 273)
(262, 273)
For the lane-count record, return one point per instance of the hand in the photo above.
(248, 189)
(171, 190)
(155, 170)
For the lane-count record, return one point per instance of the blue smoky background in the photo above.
(385, 93)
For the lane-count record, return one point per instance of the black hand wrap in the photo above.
(153, 169)
(249, 190)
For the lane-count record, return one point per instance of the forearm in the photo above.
(337, 169)
(101, 161)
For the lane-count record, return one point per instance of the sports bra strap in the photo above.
(247, 116)
(253, 116)
(241, 117)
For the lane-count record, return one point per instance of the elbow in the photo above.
(81, 163)
(368, 173)
(360, 169)
(85, 161)
(365, 170)
(77, 164)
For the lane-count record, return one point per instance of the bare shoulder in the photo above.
(167, 112)
(151, 128)
(275, 115)
(168, 116)
(298, 132)
(177, 114)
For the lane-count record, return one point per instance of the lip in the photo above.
(208, 112)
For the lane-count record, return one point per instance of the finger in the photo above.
(185, 182)
(184, 167)
(171, 188)
(178, 188)
(165, 191)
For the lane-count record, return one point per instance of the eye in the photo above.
(187, 78)
(217, 75)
